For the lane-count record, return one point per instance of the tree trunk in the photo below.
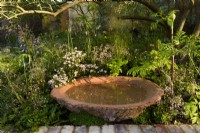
(196, 31)
(182, 20)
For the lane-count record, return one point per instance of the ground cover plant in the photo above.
(114, 43)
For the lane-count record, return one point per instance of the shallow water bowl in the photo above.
(110, 98)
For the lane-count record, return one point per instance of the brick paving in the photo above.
(121, 128)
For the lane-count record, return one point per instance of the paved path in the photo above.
(121, 129)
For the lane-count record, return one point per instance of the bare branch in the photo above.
(5, 15)
(50, 7)
(138, 18)
(23, 11)
(142, 18)
(1, 12)
(20, 8)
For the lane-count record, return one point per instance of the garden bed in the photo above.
(97, 42)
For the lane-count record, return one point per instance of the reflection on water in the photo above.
(108, 93)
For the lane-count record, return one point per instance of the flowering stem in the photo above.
(69, 39)
(172, 59)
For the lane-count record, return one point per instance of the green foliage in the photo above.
(73, 67)
(11, 38)
(144, 117)
(188, 75)
(169, 109)
(161, 16)
(25, 71)
(23, 118)
(25, 103)
(156, 114)
(83, 118)
(115, 66)
(156, 60)
(156, 65)
(86, 24)
(121, 40)
(165, 117)
(192, 108)
(170, 19)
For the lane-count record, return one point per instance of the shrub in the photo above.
(25, 103)
(156, 65)
(73, 67)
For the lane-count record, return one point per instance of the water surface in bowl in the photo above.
(108, 93)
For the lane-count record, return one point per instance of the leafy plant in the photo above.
(168, 110)
(25, 102)
(87, 24)
(192, 108)
(115, 66)
(156, 65)
(156, 60)
(144, 117)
